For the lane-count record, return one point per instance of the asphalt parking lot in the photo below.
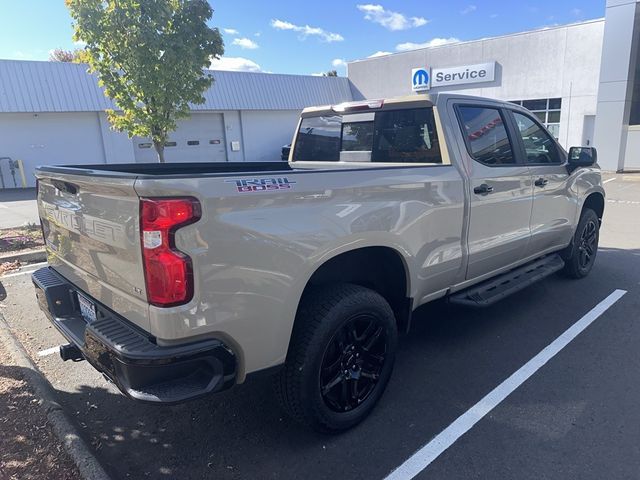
(576, 417)
(17, 207)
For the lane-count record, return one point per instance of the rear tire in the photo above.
(340, 357)
(582, 252)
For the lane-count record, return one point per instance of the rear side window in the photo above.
(389, 136)
(406, 136)
(486, 135)
(319, 139)
(538, 144)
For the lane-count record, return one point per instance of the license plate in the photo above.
(87, 309)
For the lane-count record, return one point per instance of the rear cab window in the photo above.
(407, 135)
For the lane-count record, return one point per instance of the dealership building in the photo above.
(581, 80)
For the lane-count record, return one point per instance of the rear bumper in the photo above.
(128, 356)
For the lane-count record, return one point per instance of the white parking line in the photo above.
(35, 265)
(17, 274)
(49, 351)
(624, 202)
(610, 180)
(428, 453)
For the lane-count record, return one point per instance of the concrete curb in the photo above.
(88, 465)
(25, 257)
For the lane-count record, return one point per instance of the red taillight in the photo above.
(168, 272)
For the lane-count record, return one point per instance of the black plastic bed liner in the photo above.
(185, 168)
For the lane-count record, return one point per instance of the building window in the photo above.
(193, 142)
(170, 144)
(546, 110)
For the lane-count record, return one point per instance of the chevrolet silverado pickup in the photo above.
(179, 280)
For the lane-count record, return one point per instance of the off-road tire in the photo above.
(324, 313)
(575, 264)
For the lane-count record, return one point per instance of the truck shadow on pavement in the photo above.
(450, 359)
(28, 448)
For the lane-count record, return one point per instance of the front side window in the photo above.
(538, 144)
(547, 111)
(486, 135)
(387, 136)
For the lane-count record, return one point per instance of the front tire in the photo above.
(340, 358)
(584, 246)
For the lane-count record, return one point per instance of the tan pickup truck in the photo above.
(178, 280)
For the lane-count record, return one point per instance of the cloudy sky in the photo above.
(309, 37)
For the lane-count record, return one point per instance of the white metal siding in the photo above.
(558, 62)
(51, 139)
(632, 150)
(266, 132)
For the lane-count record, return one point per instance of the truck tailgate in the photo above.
(92, 233)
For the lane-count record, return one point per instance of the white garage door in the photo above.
(49, 139)
(199, 138)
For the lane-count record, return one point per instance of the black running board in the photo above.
(495, 289)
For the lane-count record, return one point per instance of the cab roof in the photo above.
(361, 106)
(406, 101)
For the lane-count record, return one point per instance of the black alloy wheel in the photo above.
(352, 363)
(580, 256)
(588, 244)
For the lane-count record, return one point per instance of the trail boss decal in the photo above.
(248, 185)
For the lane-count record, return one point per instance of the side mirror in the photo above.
(582, 157)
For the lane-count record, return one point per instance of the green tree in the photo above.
(330, 73)
(150, 57)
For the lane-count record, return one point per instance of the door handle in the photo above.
(483, 189)
(541, 182)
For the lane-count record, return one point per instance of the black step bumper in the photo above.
(128, 356)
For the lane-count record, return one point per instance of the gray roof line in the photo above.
(37, 86)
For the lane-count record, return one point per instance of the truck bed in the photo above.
(170, 169)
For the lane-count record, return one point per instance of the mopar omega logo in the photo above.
(420, 79)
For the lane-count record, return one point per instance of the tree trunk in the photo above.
(160, 151)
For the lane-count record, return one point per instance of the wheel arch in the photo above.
(594, 201)
(380, 268)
